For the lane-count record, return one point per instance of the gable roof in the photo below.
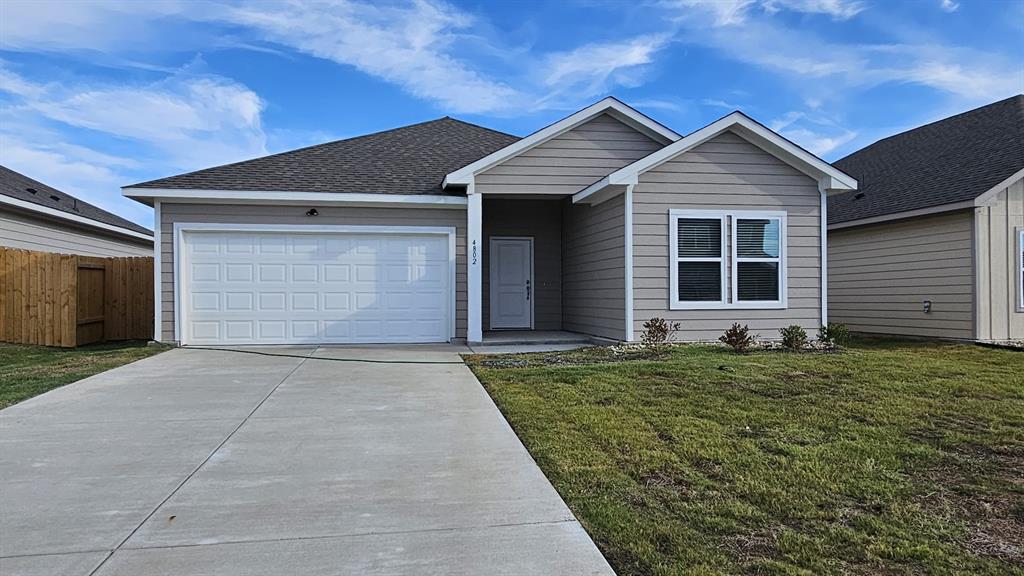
(829, 178)
(29, 194)
(950, 161)
(610, 105)
(408, 160)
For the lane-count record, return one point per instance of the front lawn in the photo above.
(27, 371)
(889, 458)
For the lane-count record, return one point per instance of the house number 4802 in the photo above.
(473, 252)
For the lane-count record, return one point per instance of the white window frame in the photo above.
(1020, 270)
(736, 260)
(729, 259)
(674, 216)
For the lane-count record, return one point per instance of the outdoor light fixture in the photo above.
(311, 212)
(927, 306)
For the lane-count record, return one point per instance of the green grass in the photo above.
(27, 371)
(888, 458)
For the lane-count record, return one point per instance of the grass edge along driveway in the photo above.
(888, 458)
(27, 371)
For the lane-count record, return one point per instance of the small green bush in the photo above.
(738, 338)
(793, 338)
(833, 335)
(658, 333)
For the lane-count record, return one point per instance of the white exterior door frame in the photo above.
(531, 288)
(181, 230)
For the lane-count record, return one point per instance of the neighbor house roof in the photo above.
(408, 160)
(29, 194)
(947, 162)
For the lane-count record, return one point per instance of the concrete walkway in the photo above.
(217, 462)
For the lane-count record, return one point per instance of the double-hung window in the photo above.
(727, 259)
(1020, 269)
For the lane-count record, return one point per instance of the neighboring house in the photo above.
(932, 244)
(34, 216)
(446, 230)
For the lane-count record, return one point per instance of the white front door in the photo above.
(511, 277)
(255, 287)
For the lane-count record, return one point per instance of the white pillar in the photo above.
(474, 263)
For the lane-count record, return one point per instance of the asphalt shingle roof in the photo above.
(408, 160)
(17, 185)
(952, 160)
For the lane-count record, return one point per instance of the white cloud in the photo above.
(817, 143)
(735, 12)
(189, 121)
(410, 46)
(593, 69)
(949, 6)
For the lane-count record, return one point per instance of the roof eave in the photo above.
(74, 218)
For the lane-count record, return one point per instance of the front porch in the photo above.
(516, 341)
(536, 275)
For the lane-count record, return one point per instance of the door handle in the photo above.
(527, 290)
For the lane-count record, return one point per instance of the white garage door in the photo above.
(284, 288)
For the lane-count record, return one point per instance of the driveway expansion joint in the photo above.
(203, 463)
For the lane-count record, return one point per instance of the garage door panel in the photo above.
(277, 288)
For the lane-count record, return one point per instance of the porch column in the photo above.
(474, 253)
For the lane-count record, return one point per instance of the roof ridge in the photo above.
(296, 150)
(499, 132)
(1018, 97)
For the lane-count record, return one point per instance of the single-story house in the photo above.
(34, 216)
(932, 243)
(446, 230)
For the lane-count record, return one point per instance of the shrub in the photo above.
(738, 338)
(658, 333)
(833, 335)
(793, 337)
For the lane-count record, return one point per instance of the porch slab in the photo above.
(524, 341)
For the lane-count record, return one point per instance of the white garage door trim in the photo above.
(181, 230)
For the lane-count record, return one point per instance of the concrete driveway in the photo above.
(217, 462)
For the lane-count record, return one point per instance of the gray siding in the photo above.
(570, 162)
(999, 315)
(726, 172)
(28, 232)
(594, 269)
(879, 275)
(541, 220)
(338, 215)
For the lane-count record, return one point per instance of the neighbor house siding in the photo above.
(999, 315)
(29, 232)
(542, 221)
(570, 162)
(879, 276)
(594, 269)
(171, 213)
(726, 173)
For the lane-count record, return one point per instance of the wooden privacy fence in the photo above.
(68, 300)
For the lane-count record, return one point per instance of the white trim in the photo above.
(629, 263)
(33, 207)
(493, 271)
(157, 288)
(1020, 269)
(674, 216)
(729, 265)
(901, 215)
(620, 111)
(823, 217)
(783, 267)
(474, 267)
(990, 195)
(831, 178)
(182, 228)
(282, 196)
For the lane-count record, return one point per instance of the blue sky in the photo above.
(97, 95)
